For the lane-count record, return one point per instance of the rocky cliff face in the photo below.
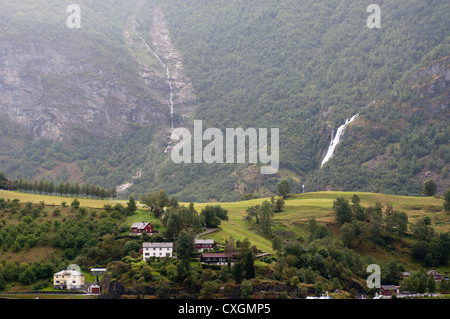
(432, 84)
(52, 90)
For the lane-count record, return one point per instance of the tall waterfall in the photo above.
(122, 188)
(337, 138)
(135, 24)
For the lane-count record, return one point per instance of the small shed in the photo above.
(94, 289)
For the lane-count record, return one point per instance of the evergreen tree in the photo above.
(185, 248)
(238, 272)
(429, 188)
(249, 265)
(131, 205)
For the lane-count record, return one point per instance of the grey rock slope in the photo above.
(51, 90)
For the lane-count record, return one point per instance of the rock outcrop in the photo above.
(52, 90)
(432, 84)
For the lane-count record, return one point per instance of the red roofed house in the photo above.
(139, 228)
(204, 244)
(387, 290)
(437, 276)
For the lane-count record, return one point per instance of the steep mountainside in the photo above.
(45, 89)
(97, 104)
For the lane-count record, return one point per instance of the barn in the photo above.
(140, 228)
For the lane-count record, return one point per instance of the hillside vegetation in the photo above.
(301, 66)
(38, 237)
(307, 66)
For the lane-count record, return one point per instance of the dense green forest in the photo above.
(306, 66)
(301, 66)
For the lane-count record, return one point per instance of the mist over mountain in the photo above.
(97, 104)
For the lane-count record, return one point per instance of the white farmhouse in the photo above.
(68, 279)
(157, 250)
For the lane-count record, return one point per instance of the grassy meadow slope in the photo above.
(291, 222)
(56, 200)
(300, 208)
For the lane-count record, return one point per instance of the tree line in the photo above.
(63, 189)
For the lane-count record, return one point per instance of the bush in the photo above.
(429, 188)
(75, 204)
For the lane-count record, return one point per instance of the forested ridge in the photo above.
(301, 66)
(306, 66)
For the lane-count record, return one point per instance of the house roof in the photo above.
(140, 225)
(204, 241)
(214, 255)
(68, 273)
(388, 287)
(157, 245)
(98, 269)
(218, 255)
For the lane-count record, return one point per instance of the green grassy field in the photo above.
(298, 210)
(57, 200)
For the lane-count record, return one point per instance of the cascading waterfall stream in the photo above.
(168, 78)
(135, 24)
(122, 188)
(337, 138)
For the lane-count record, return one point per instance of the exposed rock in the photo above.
(183, 95)
(112, 288)
(51, 89)
(432, 84)
(250, 180)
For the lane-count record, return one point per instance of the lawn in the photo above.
(143, 215)
(57, 200)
